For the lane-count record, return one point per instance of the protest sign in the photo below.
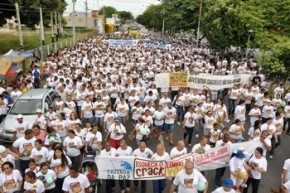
(113, 42)
(178, 79)
(177, 164)
(155, 46)
(132, 168)
(149, 169)
(216, 158)
(164, 80)
(116, 168)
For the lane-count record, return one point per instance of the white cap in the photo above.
(19, 116)
(2, 149)
(38, 111)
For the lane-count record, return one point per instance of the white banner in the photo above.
(132, 168)
(156, 46)
(123, 42)
(213, 82)
(217, 82)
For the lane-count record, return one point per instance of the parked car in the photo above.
(26, 105)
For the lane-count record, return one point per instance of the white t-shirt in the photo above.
(190, 119)
(206, 148)
(286, 167)
(71, 145)
(260, 163)
(145, 154)
(124, 152)
(175, 152)
(9, 158)
(112, 152)
(25, 147)
(50, 173)
(165, 156)
(158, 118)
(87, 108)
(287, 186)
(38, 186)
(170, 115)
(56, 164)
(221, 190)
(117, 131)
(78, 184)
(40, 156)
(187, 183)
(10, 183)
(235, 131)
(240, 112)
(94, 139)
(20, 128)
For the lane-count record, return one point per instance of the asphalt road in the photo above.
(271, 178)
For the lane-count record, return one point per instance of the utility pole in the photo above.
(41, 27)
(163, 21)
(56, 29)
(86, 6)
(104, 15)
(60, 24)
(74, 27)
(51, 24)
(19, 26)
(198, 28)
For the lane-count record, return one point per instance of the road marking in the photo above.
(162, 141)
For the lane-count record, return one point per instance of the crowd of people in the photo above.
(107, 95)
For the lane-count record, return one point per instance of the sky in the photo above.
(136, 7)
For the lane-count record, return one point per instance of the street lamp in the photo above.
(74, 27)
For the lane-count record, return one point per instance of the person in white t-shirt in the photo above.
(159, 185)
(123, 151)
(255, 114)
(19, 127)
(286, 171)
(189, 123)
(170, 115)
(256, 164)
(73, 144)
(141, 152)
(10, 179)
(188, 180)
(116, 133)
(202, 146)
(179, 150)
(75, 181)
(47, 176)
(93, 139)
(32, 184)
(109, 151)
(226, 188)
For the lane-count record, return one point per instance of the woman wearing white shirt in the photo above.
(116, 133)
(73, 144)
(10, 180)
(32, 184)
(158, 117)
(287, 115)
(256, 165)
(93, 139)
(236, 131)
(60, 164)
(208, 123)
(48, 177)
(255, 130)
(255, 114)
(122, 110)
(109, 118)
(240, 111)
(220, 111)
(141, 130)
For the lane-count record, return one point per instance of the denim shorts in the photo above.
(159, 127)
(169, 127)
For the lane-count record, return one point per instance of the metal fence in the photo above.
(47, 50)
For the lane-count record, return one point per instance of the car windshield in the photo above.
(26, 106)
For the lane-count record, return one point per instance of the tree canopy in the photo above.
(29, 10)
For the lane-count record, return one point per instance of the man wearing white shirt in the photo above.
(201, 147)
(219, 173)
(178, 150)
(75, 182)
(109, 151)
(142, 152)
(123, 151)
(159, 185)
(189, 123)
(271, 128)
(227, 187)
(20, 127)
(170, 115)
(188, 179)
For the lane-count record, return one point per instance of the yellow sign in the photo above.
(178, 79)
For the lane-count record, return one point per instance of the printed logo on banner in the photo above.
(177, 164)
(178, 79)
(117, 169)
(149, 169)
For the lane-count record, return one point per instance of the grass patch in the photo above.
(11, 41)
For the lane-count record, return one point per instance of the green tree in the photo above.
(108, 11)
(125, 15)
(152, 17)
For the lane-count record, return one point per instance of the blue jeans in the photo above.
(159, 185)
(219, 173)
(179, 113)
(169, 127)
(232, 106)
(23, 165)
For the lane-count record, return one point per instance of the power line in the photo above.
(35, 11)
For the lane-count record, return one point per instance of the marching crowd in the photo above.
(107, 95)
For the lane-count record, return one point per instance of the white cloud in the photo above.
(134, 6)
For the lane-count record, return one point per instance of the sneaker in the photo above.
(244, 185)
(178, 123)
(196, 135)
(271, 157)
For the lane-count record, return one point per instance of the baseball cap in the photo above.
(240, 154)
(229, 183)
(19, 116)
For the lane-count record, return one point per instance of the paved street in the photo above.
(270, 179)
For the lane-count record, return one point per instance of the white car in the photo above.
(26, 105)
